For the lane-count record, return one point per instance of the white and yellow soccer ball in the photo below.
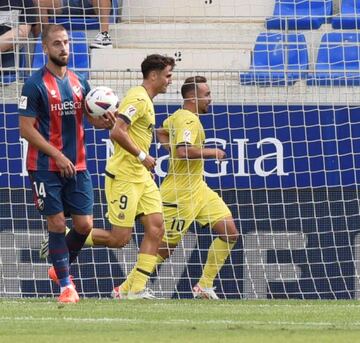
(100, 100)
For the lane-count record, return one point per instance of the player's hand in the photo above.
(220, 154)
(108, 120)
(149, 162)
(67, 169)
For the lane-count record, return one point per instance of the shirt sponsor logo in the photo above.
(187, 136)
(23, 102)
(66, 108)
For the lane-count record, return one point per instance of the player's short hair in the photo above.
(190, 84)
(156, 62)
(50, 28)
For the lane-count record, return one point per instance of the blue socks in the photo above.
(59, 254)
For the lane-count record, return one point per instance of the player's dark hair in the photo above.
(49, 28)
(156, 62)
(190, 84)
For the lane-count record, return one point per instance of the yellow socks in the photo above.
(89, 241)
(125, 286)
(218, 252)
(144, 267)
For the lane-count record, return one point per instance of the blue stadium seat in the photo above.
(278, 60)
(8, 60)
(338, 60)
(79, 59)
(299, 14)
(78, 23)
(349, 17)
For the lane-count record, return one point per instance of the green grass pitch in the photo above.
(43, 320)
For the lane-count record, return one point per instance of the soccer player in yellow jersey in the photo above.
(185, 195)
(129, 186)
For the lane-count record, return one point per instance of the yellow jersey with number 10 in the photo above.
(137, 110)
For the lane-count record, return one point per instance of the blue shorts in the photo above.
(77, 7)
(54, 194)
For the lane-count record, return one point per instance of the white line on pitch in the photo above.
(181, 321)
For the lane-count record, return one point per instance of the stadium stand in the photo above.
(13, 61)
(278, 60)
(349, 17)
(194, 11)
(299, 14)
(78, 23)
(338, 61)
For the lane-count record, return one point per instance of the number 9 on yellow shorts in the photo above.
(126, 200)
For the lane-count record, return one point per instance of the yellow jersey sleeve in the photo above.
(132, 109)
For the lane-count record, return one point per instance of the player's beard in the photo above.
(59, 62)
(204, 109)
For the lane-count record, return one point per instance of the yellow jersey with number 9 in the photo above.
(137, 110)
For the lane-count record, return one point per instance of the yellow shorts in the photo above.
(205, 208)
(126, 200)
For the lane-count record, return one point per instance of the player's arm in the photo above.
(120, 135)
(162, 135)
(33, 136)
(107, 121)
(187, 151)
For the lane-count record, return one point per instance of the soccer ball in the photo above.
(100, 100)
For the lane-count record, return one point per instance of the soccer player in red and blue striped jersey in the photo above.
(51, 110)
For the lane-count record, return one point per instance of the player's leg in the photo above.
(219, 217)
(150, 210)
(178, 217)
(102, 9)
(59, 255)
(122, 199)
(78, 199)
(47, 187)
(122, 203)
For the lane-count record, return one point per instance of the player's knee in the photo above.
(119, 240)
(157, 232)
(84, 227)
(56, 223)
(232, 234)
(234, 238)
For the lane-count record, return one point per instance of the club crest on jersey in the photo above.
(130, 111)
(23, 102)
(40, 204)
(77, 90)
(187, 136)
(121, 216)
